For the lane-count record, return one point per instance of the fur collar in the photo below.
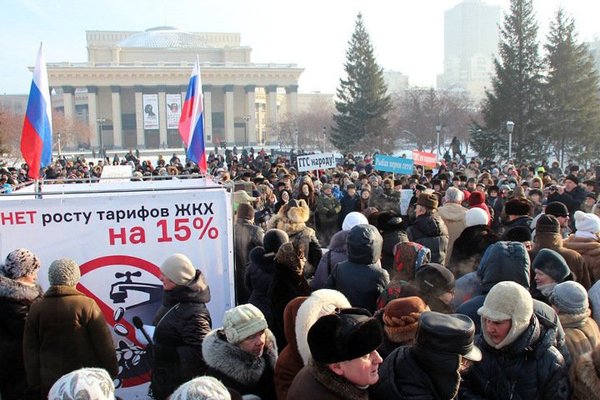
(584, 246)
(336, 384)
(574, 320)
(17, 291)
(586, 379)
(232, 361)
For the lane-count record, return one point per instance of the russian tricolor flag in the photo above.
(36, 141)
(191, 122)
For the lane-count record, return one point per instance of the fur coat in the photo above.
(589, 249)
(585, 377)
(316, 381)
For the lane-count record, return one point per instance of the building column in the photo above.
(250, 116)
(207, 94)
(291, 100)
(139, 117)
(271, 135)
(162, 115)
(117, 117)
(93, 115)
(228, 115)
(69, 102)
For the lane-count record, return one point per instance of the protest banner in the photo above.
(428, 160)
(398, 165)
(313, 162)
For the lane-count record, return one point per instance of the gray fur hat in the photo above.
(64, 272)
(19, 263)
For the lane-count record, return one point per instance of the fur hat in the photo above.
(345, 335)
(273, 240)
(201, 388)
(401, 318)
(448, 333)
(476, 197)
(64, 272)
(517, 207)
(434, 279)
(557, 209)
(243, 321)
(179, 269)
(19, 263)
(518, 233)
(327, 186)
(389, 221)
(476, 216)
(507, 300)
(552, 264)
(428, 200)
(547, 223)
(320, 302)
(245, 211)
(297, 211)
(570, 297)
(587, 222)
(84, 383)
(352, 219)
(242, 197)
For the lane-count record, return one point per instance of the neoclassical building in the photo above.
(132, 87)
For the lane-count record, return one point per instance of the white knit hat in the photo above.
(179, 269)
(84, 383)
(243, 321)
(476, 216)
(507, 300)
(201, 388)
(64, 272)
(352, 219)
(587, 222)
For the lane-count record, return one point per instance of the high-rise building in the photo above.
(470, 43)
(396, 81)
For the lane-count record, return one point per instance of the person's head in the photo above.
(558, 210)
(245, 212)
(408, 258)
(587, 222)
(388, 221)
(364, 244)
(571, 182)
(21, 264)
(273, 240)
(64, 272)
(346, 343)
(454, 195)
(351, 189)
(505, 314)
(352, 219)
(426, 203)
(291, 256)
(550, 268)
(521, 234)
(176, 270)
(201, 388)
(401, 319)
(245, 326)
(476, 216)
(84, 383)
(327, 189)
(570, 298)
(435, 280)
(365, 193)
(516, 208)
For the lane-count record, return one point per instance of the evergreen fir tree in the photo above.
(572, 106)
(516, 89)
(362, 101)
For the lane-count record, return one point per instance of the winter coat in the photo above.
(239, 370)
(529, 368)
(585, 377)
(328, 208)
(390, 240)
(496, 204)
(15, 300)
(247, 236)
(469, 248)
(348, 204)
(418, 373)
(581, 333)
(453, 216)
(589, 250)
(572, 199)
(335, 255)
(289, 361)
(386, 200)
(523, 220)
(64, 331)
(431, 232)
(576, 262)
(181, 323)
(316, 381)
(361, 278)
(259, 276)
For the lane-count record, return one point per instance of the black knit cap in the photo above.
(517, 207)
(572, 178)
(556, 208)
(345, 335)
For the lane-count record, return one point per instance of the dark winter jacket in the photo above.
(469, 248)
(259, 276)
(182, 322)
(390, 240)
(523, 220)
(317, 381)
(418, 373)
(431, 232)
(349, 204)
(361, 278)
(15, 300)
(247, 236)
(572, 199)
(64, 331)
(239, 370)
(335, 255)
(529, 368)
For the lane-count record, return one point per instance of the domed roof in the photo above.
(164, 37)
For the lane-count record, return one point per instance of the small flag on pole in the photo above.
(36, 140)
(191, 122)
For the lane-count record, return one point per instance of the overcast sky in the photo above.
(407, 34)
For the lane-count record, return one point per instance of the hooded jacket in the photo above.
(259, 276)
(361, 278)
(431, 232)
(454, 217)
(335, 255)
(15, 300)
(181, 323)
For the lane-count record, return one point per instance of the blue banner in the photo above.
(397, 165)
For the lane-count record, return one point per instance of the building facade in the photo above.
(132, 87)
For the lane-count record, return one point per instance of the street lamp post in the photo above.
(296, 139)
(438, 129)
(101, 122)
(59, 149)
(510, 126)
(324, 137)
(246, 119)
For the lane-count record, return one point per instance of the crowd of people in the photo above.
(483, 284)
